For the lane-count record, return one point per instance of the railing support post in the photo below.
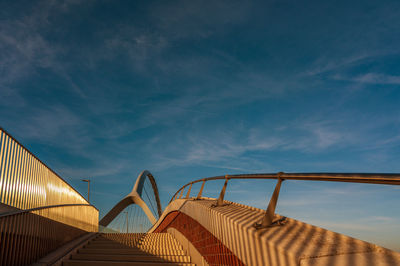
(180, 195)
(268, 218)
(220, 201)
(188, 193)
(201, 190)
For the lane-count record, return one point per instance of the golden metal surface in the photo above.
(47, 223)
(27, 183)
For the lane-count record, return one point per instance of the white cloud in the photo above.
(373, 78)
(24, 49)
(326, 137)
(133, 43)
(329, 63)
(50, 124)
(219, 149)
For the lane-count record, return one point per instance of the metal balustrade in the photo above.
(39, 211)
(28, 235)
(26, 182)
(268, 220)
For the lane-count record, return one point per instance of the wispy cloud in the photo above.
(325, 64)
(325, 133)
(135, 44)
(197, 19)
(191, 88)
(372, 78)
(218, 149)
(25, 48)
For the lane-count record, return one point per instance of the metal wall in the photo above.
(26, 237)
(27, 183)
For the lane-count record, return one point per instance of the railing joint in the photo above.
(275, 222)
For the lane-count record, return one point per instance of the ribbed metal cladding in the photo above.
(27, 183)
(27, 236)
(42, 211)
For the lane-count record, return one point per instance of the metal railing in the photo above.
(26, 182)
(268, 219)
(28, 235)
(39, 211)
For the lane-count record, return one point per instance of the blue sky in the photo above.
(188, 89)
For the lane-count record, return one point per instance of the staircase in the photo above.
(131, 249)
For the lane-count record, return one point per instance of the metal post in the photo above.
(201, 190)
(88, 188)
(220, 201)
(268, 218)
(126, 222)
(188, 193)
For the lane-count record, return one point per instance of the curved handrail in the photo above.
(268, 219)
(386, 179)
(41, 208)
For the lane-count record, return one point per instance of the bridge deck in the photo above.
(294, 243)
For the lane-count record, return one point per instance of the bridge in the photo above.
(45, 221)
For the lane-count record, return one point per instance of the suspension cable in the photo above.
(151, 204)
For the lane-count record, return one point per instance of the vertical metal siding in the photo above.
(27, 183)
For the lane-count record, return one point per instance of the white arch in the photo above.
(135, 197)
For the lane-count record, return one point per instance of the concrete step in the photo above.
(123, 235)
(121, 263)
(102, 241)
(158, 241)
(127, 251)
(136, 239)
(160, 246)
(130, 251)
(120, 257)
(151, 249)
(134, 243)
(144, 247)
(113, 246)
(155, 244)
(138, 249)
(120, 249)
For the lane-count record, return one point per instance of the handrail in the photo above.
(41, 208)
(378, 178)
(27, 235)
(369, 178)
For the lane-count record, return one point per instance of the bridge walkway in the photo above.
(131, 249)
